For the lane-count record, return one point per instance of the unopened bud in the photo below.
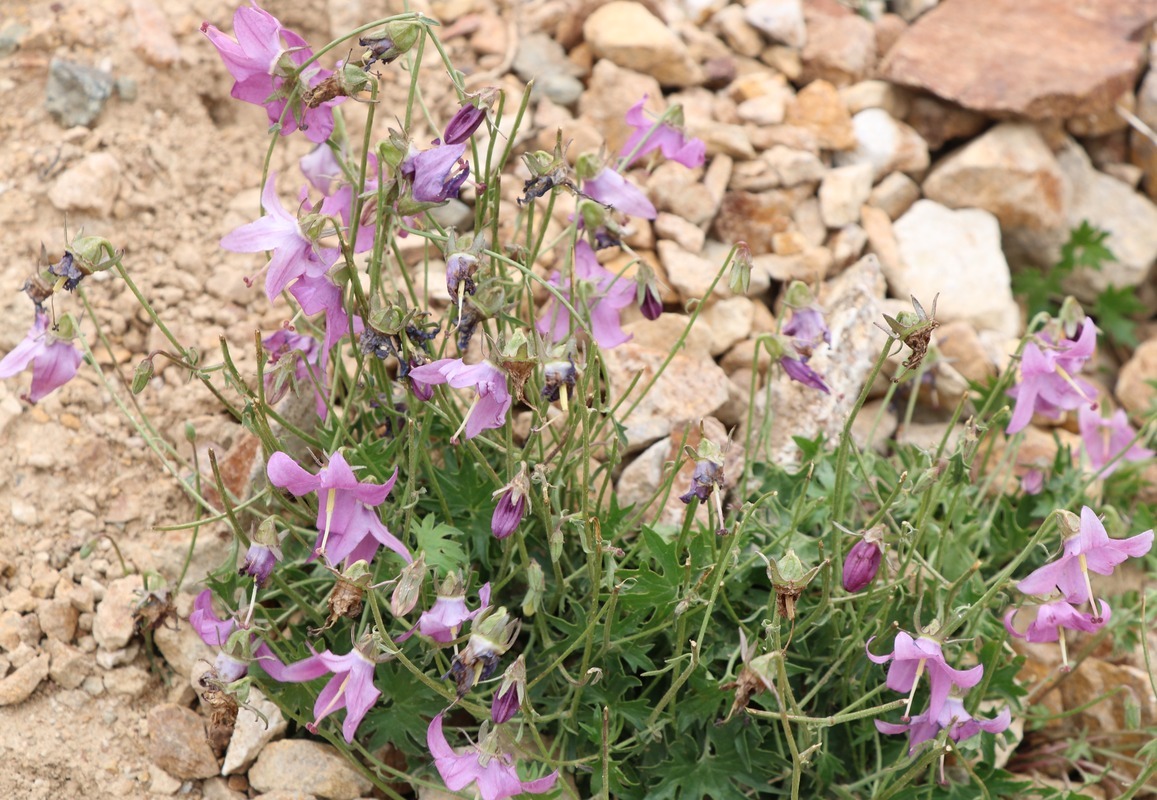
(142, 375)
(535, 589)
(861, 565)
(409, 587)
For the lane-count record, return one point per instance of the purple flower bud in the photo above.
(463, 124)
(861, 565)
(809, 329)
(507, 514)
(258, 563)
(505, 705)
(651, 306)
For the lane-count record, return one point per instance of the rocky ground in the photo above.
(920, 147)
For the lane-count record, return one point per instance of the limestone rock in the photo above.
(689, 237)
(668, 328)
(852, 302)
(1133, 389)
(956, 254)
(730, 321)
(69, 667)
(894, 195)
(308, 767)
(887, 144)
(19, 686)
(113, 626)
(678, 190)
(781, 20)
(58, 619)
(841, 48)
(793, 167)
(1106, 203)
(818, 109)
(690, 274)
(753, 217)
(690, 388)
(251, 733)
(177, 742)
(737, 32)
(842, 192)
(1010, 172)
(628, 34)
(986, 55)
(90, 185)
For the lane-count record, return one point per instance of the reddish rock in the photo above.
(987, 55)
(841, 47)
(753, 217)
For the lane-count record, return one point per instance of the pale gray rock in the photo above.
(852, 301)
(308, 767)
(886, 143)
(113, 626)
(910, 9)
(252, 732)
(543, 60)
(780, 20)
(628, 34)
(956, 254)
(76, 94)
(177, 743)
(1010, 171)
(843, 191)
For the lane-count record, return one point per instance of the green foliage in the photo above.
(668, 654)
(1115, 310)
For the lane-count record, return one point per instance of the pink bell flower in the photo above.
(913, 657)
(436, 174)
(672, 143)
(1048, 383)
(1106, 439)
(294, 255)
(490, 770)
(215, 632)
(1052, 616)
(960, 724)
(261, 59)
(54, 361)
(609, 296)
(442, 621)
(492, 401)
(612, 189)
(349, 526)
(351, 687)
(1090, 549)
